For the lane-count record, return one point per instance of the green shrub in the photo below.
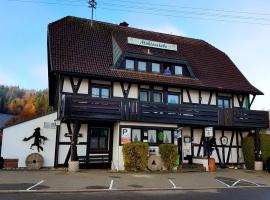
(248, 151)
(135, 156)
(265, 147)
(169, 155)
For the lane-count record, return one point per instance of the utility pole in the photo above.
(93, 5)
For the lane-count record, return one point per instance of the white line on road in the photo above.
(223, 183)
(251, 182)
(174, 186)
(111, 184)
(236, 182)
(35, 185)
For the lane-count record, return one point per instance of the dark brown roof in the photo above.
(75, 47)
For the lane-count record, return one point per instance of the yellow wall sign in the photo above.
(153, 44)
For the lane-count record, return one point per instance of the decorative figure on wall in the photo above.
(37, 139)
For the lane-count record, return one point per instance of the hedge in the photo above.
(248, 151)
(169, 155)
(135, 156)
(265, 147)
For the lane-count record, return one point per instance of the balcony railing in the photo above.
(87, 108)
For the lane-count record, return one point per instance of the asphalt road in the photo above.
(221, 194)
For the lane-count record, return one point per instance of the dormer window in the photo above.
(156, 67)
(129, 64)
(142, 66)
(178, 70)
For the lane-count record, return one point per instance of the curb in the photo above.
(126, 190)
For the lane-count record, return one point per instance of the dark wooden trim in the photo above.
(201, 144)
(200, 97)
(192, 139)
(240, 101)
(189, 97)
(125, 91)
(233, 101)
(56, 152)
(237, 144)
(230, 147)
(216, 147)
(210, 98)
(223, 148)
(252, 100)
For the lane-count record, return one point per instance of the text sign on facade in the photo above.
(208, 131)
(153, 44)
(125, 135)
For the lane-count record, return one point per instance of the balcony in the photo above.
(86, 108)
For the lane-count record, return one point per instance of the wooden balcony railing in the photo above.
(87, 108)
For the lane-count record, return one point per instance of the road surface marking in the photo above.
(174, 186)
(35, 185)
(251, 182)
(236, 182)
(223, 182)
(111, 184)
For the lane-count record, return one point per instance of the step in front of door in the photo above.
(98, 158)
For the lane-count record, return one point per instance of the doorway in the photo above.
(98, 153)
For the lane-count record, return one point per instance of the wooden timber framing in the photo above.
(226, 150)
(189, 97)
(125, 91)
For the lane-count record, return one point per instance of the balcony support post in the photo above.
(74, 141)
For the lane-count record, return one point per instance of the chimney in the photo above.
(125, 24)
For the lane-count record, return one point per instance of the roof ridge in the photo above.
(134, 28)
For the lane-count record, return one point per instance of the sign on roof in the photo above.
(153, 44)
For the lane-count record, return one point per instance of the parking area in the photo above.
(106, 180)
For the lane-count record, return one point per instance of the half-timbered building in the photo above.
(112, 84)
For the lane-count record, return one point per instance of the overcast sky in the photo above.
(239, 28)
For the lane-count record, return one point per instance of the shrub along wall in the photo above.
(248, 151)
(135, 156)
(265, 147)
(169, 155)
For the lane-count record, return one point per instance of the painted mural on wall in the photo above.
(38, 139)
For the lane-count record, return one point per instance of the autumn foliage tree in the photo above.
(23, 104)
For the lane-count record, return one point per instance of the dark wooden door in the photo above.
(98, 148)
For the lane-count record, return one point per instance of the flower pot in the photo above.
(258, 165)
(73, 166)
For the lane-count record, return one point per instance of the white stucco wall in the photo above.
(63, 148)
(14, 147)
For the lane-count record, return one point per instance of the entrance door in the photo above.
(98, 148)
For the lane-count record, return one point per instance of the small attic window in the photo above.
(129, 64)
(178, 70)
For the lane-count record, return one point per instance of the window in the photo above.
(178, 70)
(223, 102)
(136, 135)
(157, 97)
(152, 136)
(167, 136)
(156, 67)
(142, 66)
(130, 64)
(100, 92)
(173, 99)
(144, 96)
